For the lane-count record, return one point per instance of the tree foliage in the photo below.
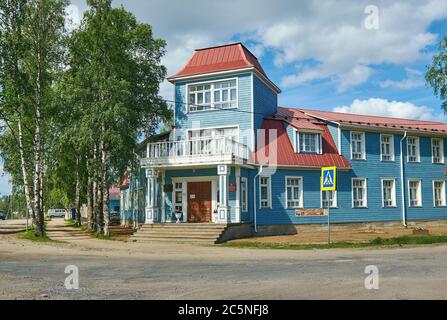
(436, 75)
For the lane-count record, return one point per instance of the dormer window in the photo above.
(308, 142)
(212, 96)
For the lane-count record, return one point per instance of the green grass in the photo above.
(378, 242)
(72, 223)
(31, 235)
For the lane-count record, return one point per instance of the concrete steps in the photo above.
(121, 231)
(11, 228)
(180, 233)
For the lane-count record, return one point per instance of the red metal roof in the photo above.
(287, 156)
(114, 193)
(378, 122)
(220, 58)
(298, 119)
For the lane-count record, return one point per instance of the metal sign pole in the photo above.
(328, 218)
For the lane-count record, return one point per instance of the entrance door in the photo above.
(199, 201)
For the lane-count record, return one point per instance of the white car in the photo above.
(56, 213)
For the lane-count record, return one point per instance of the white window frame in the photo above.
(393, 193)
(441, 151)
(334, 202)
(318, 142)
(212, 90)
(363, 146)
(418, 150)
(244, 198)
(443, 205)
(269, 192)
(365, 205)
(213, 131)
(419, 193)
(391, 143)
(301, 193)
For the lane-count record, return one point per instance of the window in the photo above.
(265, 192)
(414, 191)
(388, 193)
(413, 149)
(212, 96)
(439, 193)
(437, 150)
(359, 197)
(178, 197)
(329, 199)
(308, 142)
(244, 195)
(358, 146)
(387, 147)
(294, 192)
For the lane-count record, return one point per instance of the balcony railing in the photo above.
(215, 149)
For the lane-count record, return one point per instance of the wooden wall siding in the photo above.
(265, 102)
(185, 121)
(374, 170)
(333, 129)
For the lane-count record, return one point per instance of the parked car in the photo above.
(2, 215)
(56, 213)
(114, 218)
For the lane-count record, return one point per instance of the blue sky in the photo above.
(323, 54)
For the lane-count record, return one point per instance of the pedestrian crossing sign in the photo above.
(329, 179)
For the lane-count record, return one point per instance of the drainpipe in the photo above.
(254, 196)
(404, 207)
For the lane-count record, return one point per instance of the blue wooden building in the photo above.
(234, 156)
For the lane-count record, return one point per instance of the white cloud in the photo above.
(413, 80)
(358, 75)
(333, 36)
(330, 34)
(72, 17)
(395, 109)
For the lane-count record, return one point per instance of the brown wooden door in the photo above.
(199, 201)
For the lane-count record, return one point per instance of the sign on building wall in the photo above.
(329, 179)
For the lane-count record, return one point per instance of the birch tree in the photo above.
(30, 34)
(115, 70)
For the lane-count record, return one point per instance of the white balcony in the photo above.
(215, 150)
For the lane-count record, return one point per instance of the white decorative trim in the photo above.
(365, 206)
(269, 189)
(363, 141)
(442, 192)
(393, 193)
(419, 193)
(441, 149)
(210, 82)
(393, 156)
(301, 200)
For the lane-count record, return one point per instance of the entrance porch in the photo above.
(196, 195)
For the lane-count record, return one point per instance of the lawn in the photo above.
(31, 235)
(378, 242)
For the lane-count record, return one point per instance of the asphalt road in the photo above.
(117, 270)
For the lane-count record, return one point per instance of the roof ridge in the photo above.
(220, 46)
(365, 115)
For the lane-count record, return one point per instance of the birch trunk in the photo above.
(37, 152)
(89, 204)
(78, 195)
(26, 186)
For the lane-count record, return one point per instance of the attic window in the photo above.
(308, 142)
(212, 96)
